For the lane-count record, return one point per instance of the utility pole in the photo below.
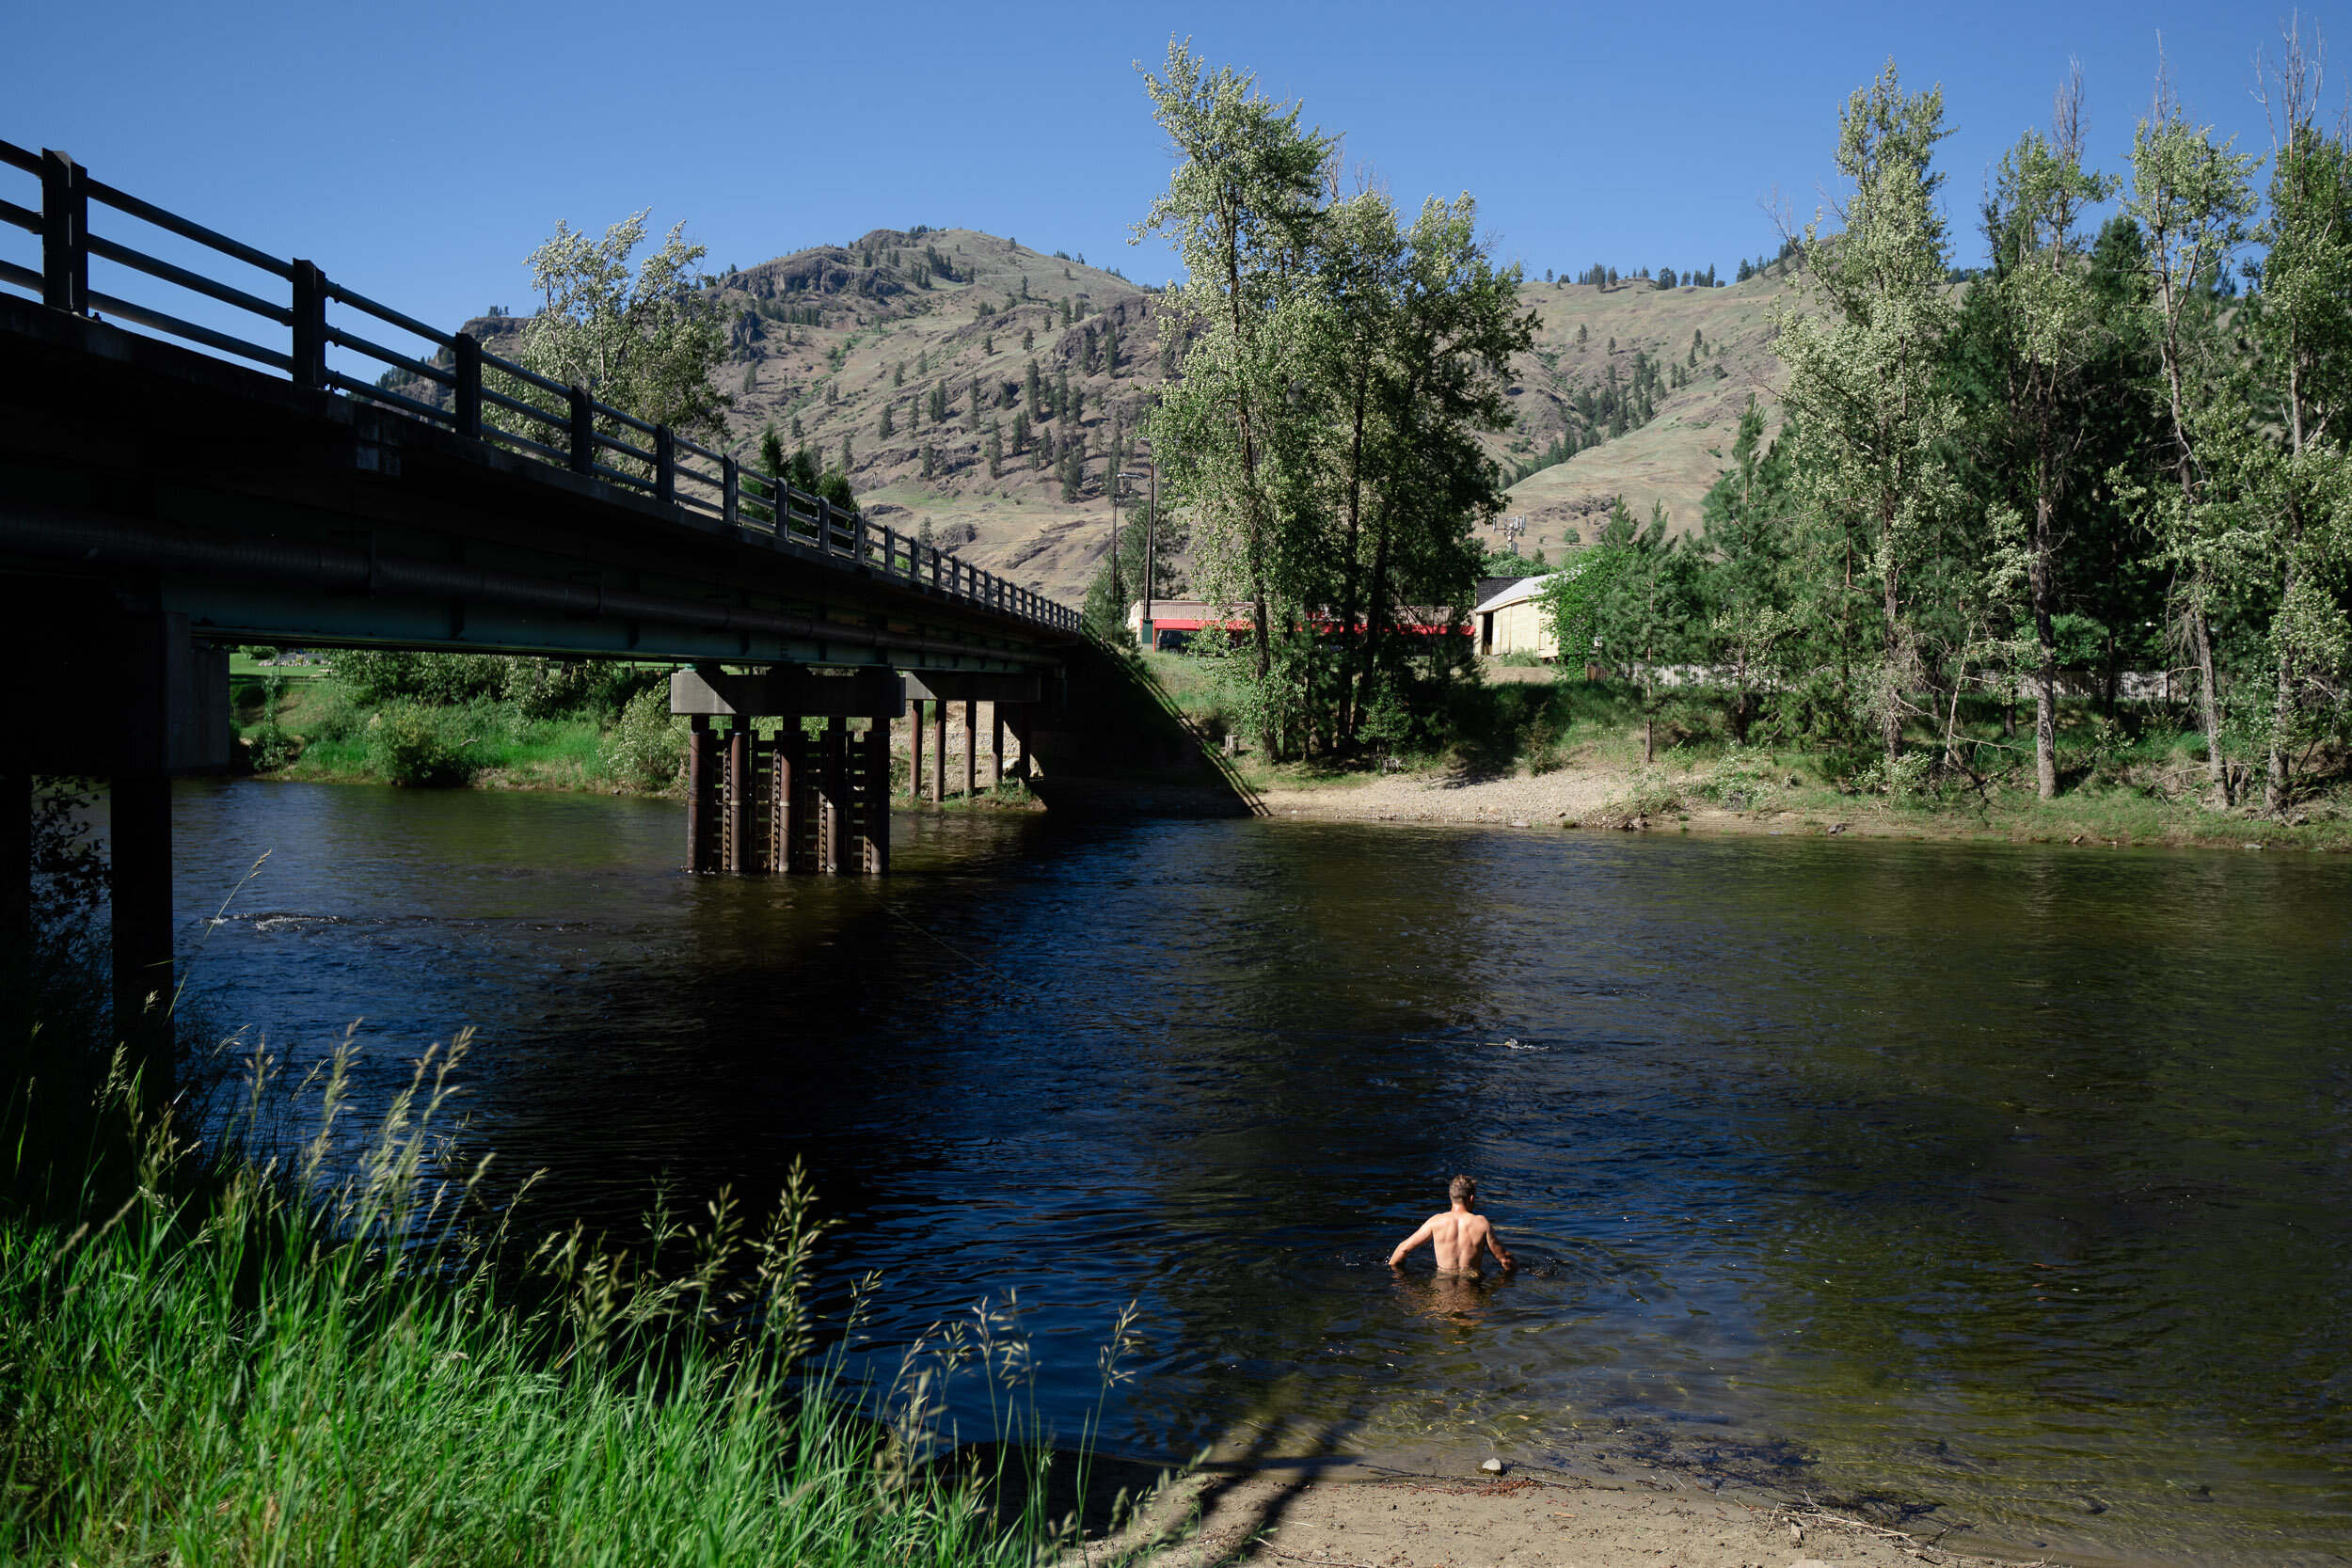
(1151, 545)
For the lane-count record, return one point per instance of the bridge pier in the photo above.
(914, 749)
(168, 699)
(800, 802)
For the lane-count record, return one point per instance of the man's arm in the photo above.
(1496, 1247)
(1410, 1243)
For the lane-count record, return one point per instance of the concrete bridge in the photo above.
(173, 487)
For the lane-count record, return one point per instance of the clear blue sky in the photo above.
(418, 151)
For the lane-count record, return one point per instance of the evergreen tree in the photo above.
(849, 457)
(1028, 339)
(995, 451)
(1036, 394)
(887, 429)
(899, 374)
(1110, 348)
(927, 460)
(976, 405)
(1020, 433)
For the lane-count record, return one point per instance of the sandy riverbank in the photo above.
(1366, 1516)
(1659, 802)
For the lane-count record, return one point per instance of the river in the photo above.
(2008, 1185)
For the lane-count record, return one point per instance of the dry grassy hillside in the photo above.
(832, 336)
(1677, 455)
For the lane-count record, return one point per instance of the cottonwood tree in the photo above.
(1871, 416)
(1242, 207)
(2299, 498)
(2049, 331)
(643, 341)
(1411, 345)
(2191, 197)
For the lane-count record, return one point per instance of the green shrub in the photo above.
(647, 746)
(409, 743)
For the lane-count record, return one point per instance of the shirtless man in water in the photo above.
(1458, 1235)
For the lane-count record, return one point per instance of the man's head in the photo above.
(1464, 1190)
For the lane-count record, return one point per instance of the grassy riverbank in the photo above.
(1528, 746)
(225, 1351)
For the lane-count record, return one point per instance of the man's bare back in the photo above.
(1457, 1236)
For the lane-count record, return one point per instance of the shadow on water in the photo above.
(2008, 1185)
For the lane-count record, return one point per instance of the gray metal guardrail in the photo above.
(488, 394)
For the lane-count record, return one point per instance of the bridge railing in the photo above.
(477, 393)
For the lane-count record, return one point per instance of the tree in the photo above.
(1110, 348)
(2050, 330)
(2299, 514)
(1742, 581)
(1870, 417)
(2191, 199)
(645, 342)
(888, 430)
(1242, 206)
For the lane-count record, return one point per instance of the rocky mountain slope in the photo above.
(935, 330)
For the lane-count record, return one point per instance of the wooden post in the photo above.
(310, 324)
(971, 747)
(698, 760)
(914, 748)
(740, 794)
(997, 744)
(939, 753)
(64, 234)
(583, 433)
(465, 403)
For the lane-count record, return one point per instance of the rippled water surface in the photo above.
(2012, 1181)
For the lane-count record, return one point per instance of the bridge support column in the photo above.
(997, 745)
(971, 747)
(702, 843)
(785, 779)
(871, 789)
(833, 829)
(914, 749)
(138, 832)
(740, 794)
(939, 753)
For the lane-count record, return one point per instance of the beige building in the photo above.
(1512, 620)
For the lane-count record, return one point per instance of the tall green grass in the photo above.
(224, 1353)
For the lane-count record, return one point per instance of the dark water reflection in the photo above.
(2011, 1180)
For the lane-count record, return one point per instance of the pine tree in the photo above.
(1028, 339)
(1581, 333)
(976, 405)
(1062, 394)
(796, 427)
(848, 455)
(1696, 340)
(888, 430)
(927, 460)
(1020, 433)
(988, 343)
(1110, 348)
(1036, 394)
(899, 374)
(995, 451)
